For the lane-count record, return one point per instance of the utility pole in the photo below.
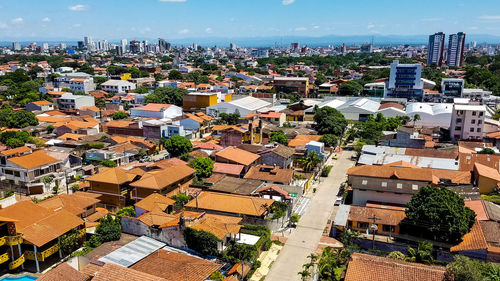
(374, 228)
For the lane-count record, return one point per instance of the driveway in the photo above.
(305, 238)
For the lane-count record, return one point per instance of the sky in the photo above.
(175, 19)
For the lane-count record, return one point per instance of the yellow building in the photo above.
(126, 76)
(486, 178)
(199, 100)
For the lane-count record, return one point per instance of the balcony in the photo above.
(42, 256)
(4, 257)
(14, 240)
(18, 262)
(2, 241)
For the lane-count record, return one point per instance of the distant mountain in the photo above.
(272, 41)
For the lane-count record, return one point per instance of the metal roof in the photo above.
(342, 215)
(133, 252)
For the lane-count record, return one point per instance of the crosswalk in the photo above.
(301, 205)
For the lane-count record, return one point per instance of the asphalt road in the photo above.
(305, 238)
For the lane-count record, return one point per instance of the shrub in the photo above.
(108, 163)
(109, 229)
(201, 241)
(326, 171)
(126, 211)
(97, 145)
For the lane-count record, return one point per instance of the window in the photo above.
(388, 228)
(458, 128)
(414, 187)
(384, 184)
(364, 182)
(473, 121)
(478, 130)
(480, 113)
(362, 224)
(459, 120)
(472, 129)
(400, 186)
(474, 113)
(479, 122)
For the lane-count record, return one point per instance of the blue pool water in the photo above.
(20, 278)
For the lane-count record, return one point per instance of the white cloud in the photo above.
(17, 20)
(316, 26)
(370, 26)
(178, 1)
(489, 17)
(46, 19)
(300, 28)
(78, 8)
(77, 25)
(184, 31)
(208, 30)
(287, 2)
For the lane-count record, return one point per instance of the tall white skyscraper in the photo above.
(87, 40)
(124, 45)
(436, 48)
(45, 47)
(62, 46)
(456, 45)
(16, 46)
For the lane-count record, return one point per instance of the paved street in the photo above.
(305, 238)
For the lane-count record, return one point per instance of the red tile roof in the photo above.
(230, 169)
(474, 240)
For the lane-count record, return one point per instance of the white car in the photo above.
(338, 201)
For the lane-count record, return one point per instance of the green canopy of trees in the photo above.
(203, 166)
(329, 140)
(465, 269)
(201, 241)
(350, 88)
(119, 115)
(279, 137)
(438, 213)
(329, 121)
(14, 139)
(166, 95)
(229, 118)
(177, 145)
(109, 229)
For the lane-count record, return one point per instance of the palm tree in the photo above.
(416, 118)
(304, 274)
(310, 161)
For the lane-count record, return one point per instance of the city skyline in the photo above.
(186, 19)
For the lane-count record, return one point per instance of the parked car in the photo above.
(338, 201)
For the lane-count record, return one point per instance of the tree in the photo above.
(13, 142)
(438, 213)
(203, 166)
(126, 211)
(177, 145)
(109, 229)
(69, 242)
(396, 255)
(486, 150)
(350, 88)
(279, 137)
(229, 118)
(175, 75)
(465, 269)
(348, 237)
(108, 163)
(423, 254)
(201, 241)
(86, 68)
(415, 118)
(119, 115)
(166, 95)
(294, 218)
(329, 140)
(329, 121)
(180, 199)
(216, 276)
(309, 162)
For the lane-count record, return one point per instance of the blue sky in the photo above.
(115, 19)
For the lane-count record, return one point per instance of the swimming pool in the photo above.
(19, 278)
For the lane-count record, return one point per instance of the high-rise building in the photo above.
(81, 44)
(135, 46)
(62, 46)
(436, 48)
(295, 46)
(232, 46)
(87, 40)
(344, 48)
(164, 45)
(456, 45)
(119, 50)
(405, 81)
(452, 87)
(16, 46)
(45, 47)
(195, 46)
(123, 44)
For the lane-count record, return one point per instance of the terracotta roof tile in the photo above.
(112, 272)
(237, 155)
(230, 203)
(176, 266)
(486, 171)
(153, 107)
(218, 225)
(163, 178)
(386, 216)
(112, 175)
(302, 140)
(72, 203)
(153, 201)
(363, 267)
(474, 240)
(33, 160)
(17, 150)
(478, 207)
(270, 174)
(63, 272)
(229, 169)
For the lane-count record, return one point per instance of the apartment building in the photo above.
(70, 101)
(405, 81)
(298, 85)
(467, 122)
(118, 86)
(83, 85)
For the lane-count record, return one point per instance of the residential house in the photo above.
(298, 85)
(243, 106)
(232, 170)
(276, 118)
(70, 101)
(277, 154)
(119, 87)
(317, 147)
(124, 127)
(234, 155)
(396, 185)
(92, 111)
(113, 184)
(156, 110)
(486, 178)
(253, 208)
(82, 85)
(36, 231)
(233, 185)
(155, 129)
(270, 174)
(169, 181)
(119, 157)
(198, 123)
(42, 105)
(79, 204)
(152, 202)
(375, 268)
(25, 173)
(359, 218)
(199, 100)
